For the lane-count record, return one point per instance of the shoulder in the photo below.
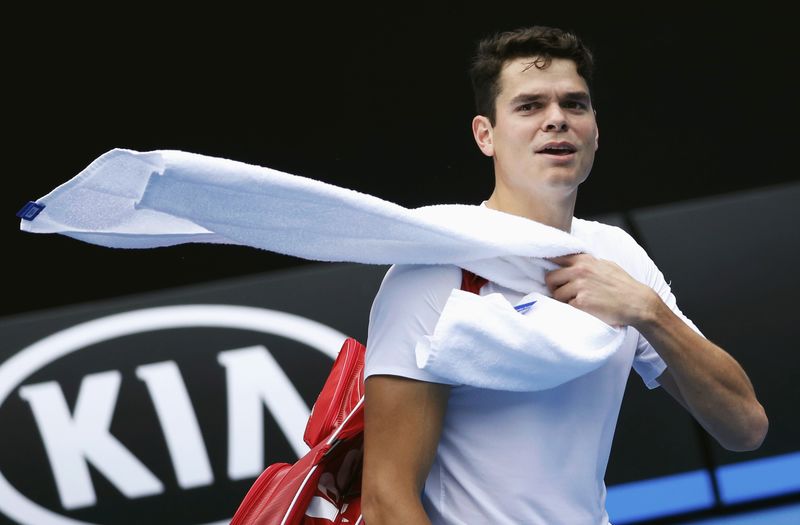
(599, 232)
(416, 287)
(411, 278)
(406, 308)
(615, 244)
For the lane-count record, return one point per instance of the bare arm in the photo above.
(701, 376)
(402, 424)
(707, 381)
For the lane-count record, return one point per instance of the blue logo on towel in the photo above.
(522, 308)
(30, 211)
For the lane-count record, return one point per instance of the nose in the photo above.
(555, 119)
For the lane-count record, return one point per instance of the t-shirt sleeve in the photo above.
(647, 363)
(406, 308)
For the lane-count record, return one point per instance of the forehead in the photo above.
(521, 75)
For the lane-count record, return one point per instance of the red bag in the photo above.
(324, 486)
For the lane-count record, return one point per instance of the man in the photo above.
(487, 456)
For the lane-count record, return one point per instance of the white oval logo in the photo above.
(36, 356)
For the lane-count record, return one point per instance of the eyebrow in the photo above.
(581, 96)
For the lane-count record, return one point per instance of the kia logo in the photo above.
(80, 444)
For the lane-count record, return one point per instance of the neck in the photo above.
(552, 210)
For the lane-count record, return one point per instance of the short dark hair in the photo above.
(545, 42)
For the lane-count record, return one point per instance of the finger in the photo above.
(565, 260)
(556, 278)
(565, 293)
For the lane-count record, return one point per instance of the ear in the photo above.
(596, 133)
(482, 132)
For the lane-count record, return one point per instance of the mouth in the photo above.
(558, 149)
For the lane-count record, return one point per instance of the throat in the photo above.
(556, 213)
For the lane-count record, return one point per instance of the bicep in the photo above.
(402, 423)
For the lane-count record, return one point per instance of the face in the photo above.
(545, 133)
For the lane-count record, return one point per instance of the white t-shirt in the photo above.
(516, 458)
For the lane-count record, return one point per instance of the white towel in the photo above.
(483, 341)
(130, 199)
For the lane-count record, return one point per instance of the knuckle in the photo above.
(579, 300)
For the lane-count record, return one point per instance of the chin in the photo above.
(566, 179)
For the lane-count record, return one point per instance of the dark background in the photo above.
(690, 103)
(693, 102)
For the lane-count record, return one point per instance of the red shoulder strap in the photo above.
(471, 282)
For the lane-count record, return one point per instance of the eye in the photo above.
(529, 106)
(575, 104)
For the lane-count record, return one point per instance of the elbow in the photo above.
(759, 429)
(384, 504)
(753, 432)
(374, 508)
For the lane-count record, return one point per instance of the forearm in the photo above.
(710, 382)
(707, 381)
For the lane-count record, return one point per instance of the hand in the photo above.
(601, 288)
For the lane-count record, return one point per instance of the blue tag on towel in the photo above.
(522, 308)
(30, 211)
